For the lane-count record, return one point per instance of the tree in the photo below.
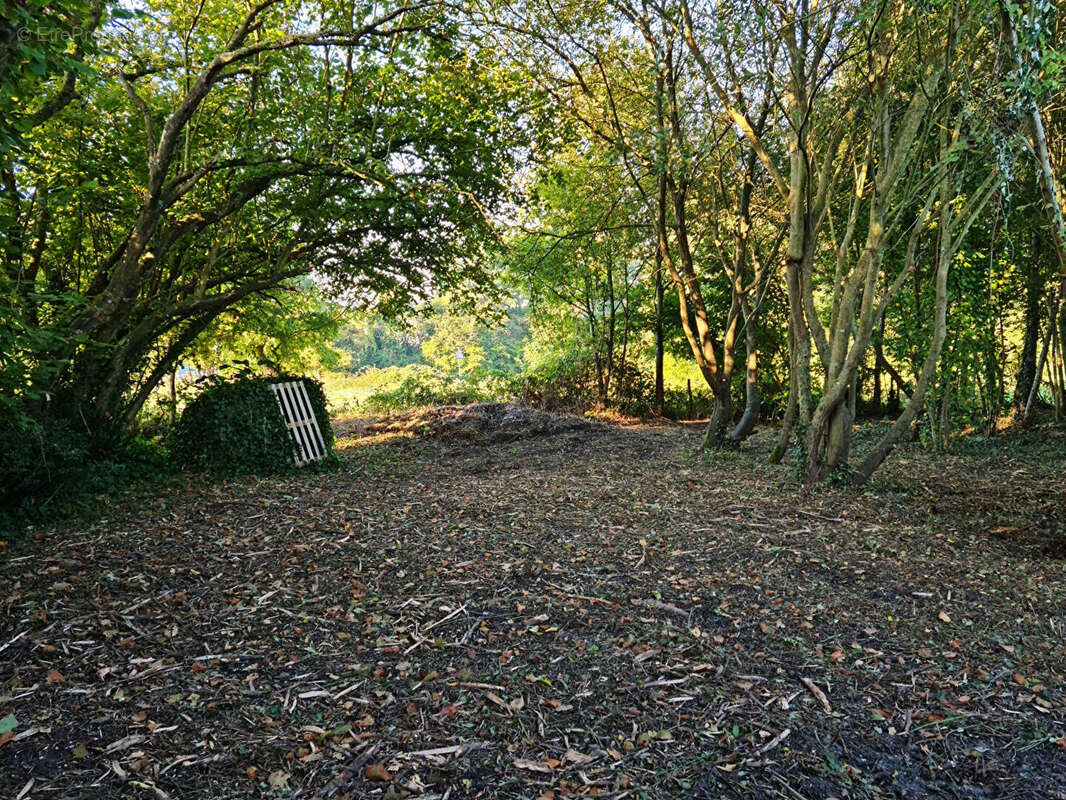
(455, 347)
(216, 154)
(1038, 76)
(877, 152)
(621, 75)
(583, 256)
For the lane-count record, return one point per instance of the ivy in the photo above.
(234, 427)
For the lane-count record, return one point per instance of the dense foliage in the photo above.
(211, 158)
(234, 427)
(49, 471)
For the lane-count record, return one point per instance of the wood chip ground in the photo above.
(593, 610)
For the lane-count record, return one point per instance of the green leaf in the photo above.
(8, 723)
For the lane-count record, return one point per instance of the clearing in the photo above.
(486, 604)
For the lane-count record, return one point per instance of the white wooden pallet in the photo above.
(295, 406)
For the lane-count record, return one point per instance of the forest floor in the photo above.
(495, 605)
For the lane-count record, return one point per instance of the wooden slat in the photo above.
(314, 434)
(298, 422)
(313, 428)
(285, 416)
(301, 424)
(298, 415)
(288, 392)
(308, 424)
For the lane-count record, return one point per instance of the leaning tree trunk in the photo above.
(888, 442)
(952, 226)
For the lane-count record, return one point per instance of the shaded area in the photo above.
(592, 611)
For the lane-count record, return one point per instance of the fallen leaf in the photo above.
(377, 772)
(278, 779)
(55, 676)
(943, 617)
(533, 766)
(495, 698)
(574, 757)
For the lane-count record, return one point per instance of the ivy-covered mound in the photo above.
(234, 427)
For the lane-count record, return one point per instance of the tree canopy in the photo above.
(213, 155)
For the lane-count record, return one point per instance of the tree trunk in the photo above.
(881, 450)
(838, 439)
(792, 407)
(660, 393)
(1038, 372)
(1027, 363)
(752, 400)
(721, 417)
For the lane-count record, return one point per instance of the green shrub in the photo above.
(36, 455)
(562, 381)
(234, 427)
(49, 471)
(423, 386)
